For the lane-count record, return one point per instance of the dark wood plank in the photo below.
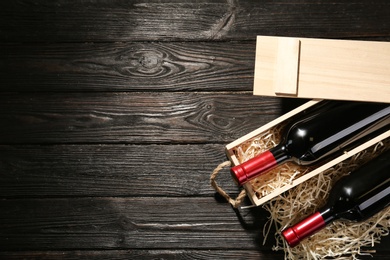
(119, 20)
(179, 117)
(158, 254)
(145, 254)
(132, 223)
(127, 223)
(111, 170)
(191, 66)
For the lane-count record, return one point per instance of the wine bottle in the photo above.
(324, 132)
(355, 197)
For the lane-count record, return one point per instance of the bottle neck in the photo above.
(280, 153)
(259, 164)
(327, 214)
(308, 226)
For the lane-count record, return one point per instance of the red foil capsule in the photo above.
(251, 168)
(303, 229)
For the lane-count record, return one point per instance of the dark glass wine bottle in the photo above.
(323, 132)
(355, 197)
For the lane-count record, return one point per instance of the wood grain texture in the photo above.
(111, 170)
(194, 66)
(179, 117)
(119, 20)
(126, 223)
(114, 113)
(130, 223)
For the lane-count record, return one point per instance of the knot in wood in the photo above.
(149, 60)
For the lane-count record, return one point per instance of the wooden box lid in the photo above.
(322, 69)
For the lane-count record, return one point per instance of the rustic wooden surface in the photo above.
(114, 114)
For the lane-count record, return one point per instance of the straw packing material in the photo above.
(339, 239)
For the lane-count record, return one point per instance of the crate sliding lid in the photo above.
(322, 69)
(317, 69)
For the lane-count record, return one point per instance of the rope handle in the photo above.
(234, 202)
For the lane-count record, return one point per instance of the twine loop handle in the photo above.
(234, 202)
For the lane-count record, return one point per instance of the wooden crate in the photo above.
(256, 200)
(318, 69)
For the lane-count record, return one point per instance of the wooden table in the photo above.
(114, 114)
